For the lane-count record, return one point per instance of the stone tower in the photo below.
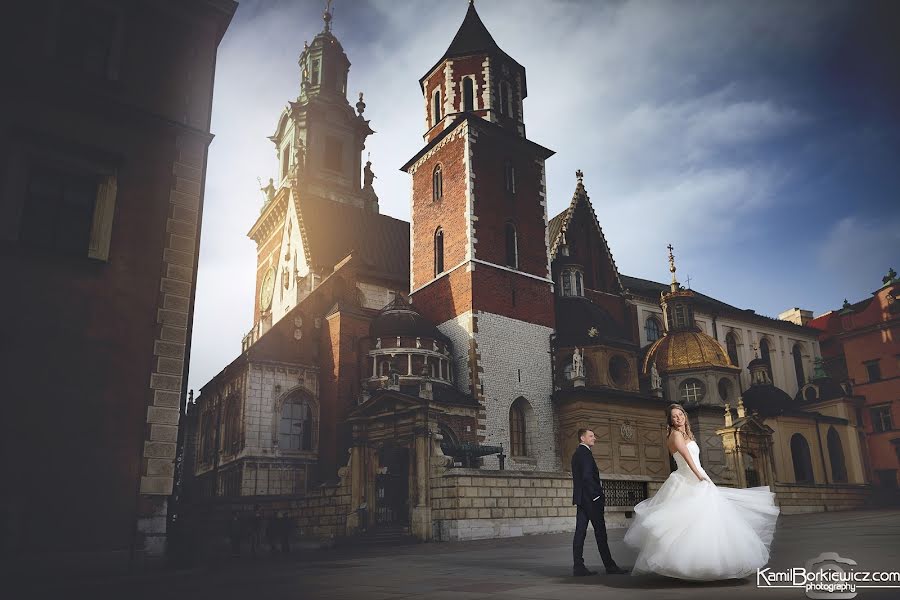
(479, 258)
(319, 140)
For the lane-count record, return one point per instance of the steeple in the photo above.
(323, 63)
(474, 77)
(678, 304)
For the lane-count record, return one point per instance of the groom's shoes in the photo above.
(582, 572)
(617, 570)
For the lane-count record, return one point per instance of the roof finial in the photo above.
(675, 285)
(328, 15)
(579, 175)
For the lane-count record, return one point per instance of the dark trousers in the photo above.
(592, 512)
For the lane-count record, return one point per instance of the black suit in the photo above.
(587, 495)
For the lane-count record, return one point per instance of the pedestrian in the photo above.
(273, 527)
(286, 529)
(234, 534)
(256, 523)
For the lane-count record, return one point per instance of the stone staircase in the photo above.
(392, 535)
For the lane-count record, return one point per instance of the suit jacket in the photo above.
(585, 476)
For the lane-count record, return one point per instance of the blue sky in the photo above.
(761, 139)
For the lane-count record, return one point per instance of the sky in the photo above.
(761, 139)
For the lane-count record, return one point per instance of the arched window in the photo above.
(232, 423)
(691, 391)
(438, 252)
(651, 329)
(766, 355)
(724, 389)
(579, 284)
(437, 183)
(207, 437)
(509, 173)
(512, 246)
(798, 365)
(385, 368)
(468, 94)
(731, 345)
(517, 437)
(296, 425)
(505, 108)
(803, 472)
(618, 370)
(680, 315)
(436, 107)
(836, 456)
(566, 282)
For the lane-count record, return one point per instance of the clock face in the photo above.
(267, 290)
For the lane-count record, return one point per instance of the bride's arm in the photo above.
(681, 447)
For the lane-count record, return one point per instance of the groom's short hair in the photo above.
(583, 431)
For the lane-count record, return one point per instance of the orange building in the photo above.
(860, 344)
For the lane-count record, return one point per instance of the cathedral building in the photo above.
(432, 374)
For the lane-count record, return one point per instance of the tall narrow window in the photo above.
(579, 284)
(438, 252)
(566, 281)
(315, 72)
(512, 249)
(468, 94)
(731, 345)
(509, 172)
(436, 107)
(836, 456)
(437, 184)
(504, 99)
(800, 456)
(798, 365)
(518, 445)
(680, 315)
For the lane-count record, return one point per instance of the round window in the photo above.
(724, 389)
(691, 391)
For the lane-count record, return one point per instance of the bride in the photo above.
(692, 529)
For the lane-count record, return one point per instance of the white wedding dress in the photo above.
(694, 530)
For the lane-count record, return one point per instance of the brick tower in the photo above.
(479, 257)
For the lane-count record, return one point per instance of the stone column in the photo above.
(420, 519)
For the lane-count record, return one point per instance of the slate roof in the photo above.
(332, 230)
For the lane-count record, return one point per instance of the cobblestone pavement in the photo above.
(532, 567)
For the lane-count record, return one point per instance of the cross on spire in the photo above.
(579, 175)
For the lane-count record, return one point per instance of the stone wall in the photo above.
(478, 504)
(794, 498)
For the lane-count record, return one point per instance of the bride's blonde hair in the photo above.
(688, 434)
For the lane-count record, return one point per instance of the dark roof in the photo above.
(400, 318)
(556, 225)
(576, 316)
(768, 399)
(332, 230)
(472, 38)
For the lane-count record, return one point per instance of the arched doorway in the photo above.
(836, 456)
(800, 455)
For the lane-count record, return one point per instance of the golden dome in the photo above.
(681, 350)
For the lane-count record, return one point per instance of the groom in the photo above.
(588, 497)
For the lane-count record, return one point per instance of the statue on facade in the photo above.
(368, 175)
(655, 379)
(577, 363)
(269, 190)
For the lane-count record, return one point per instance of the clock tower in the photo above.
(318, 140)
(480, 265)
